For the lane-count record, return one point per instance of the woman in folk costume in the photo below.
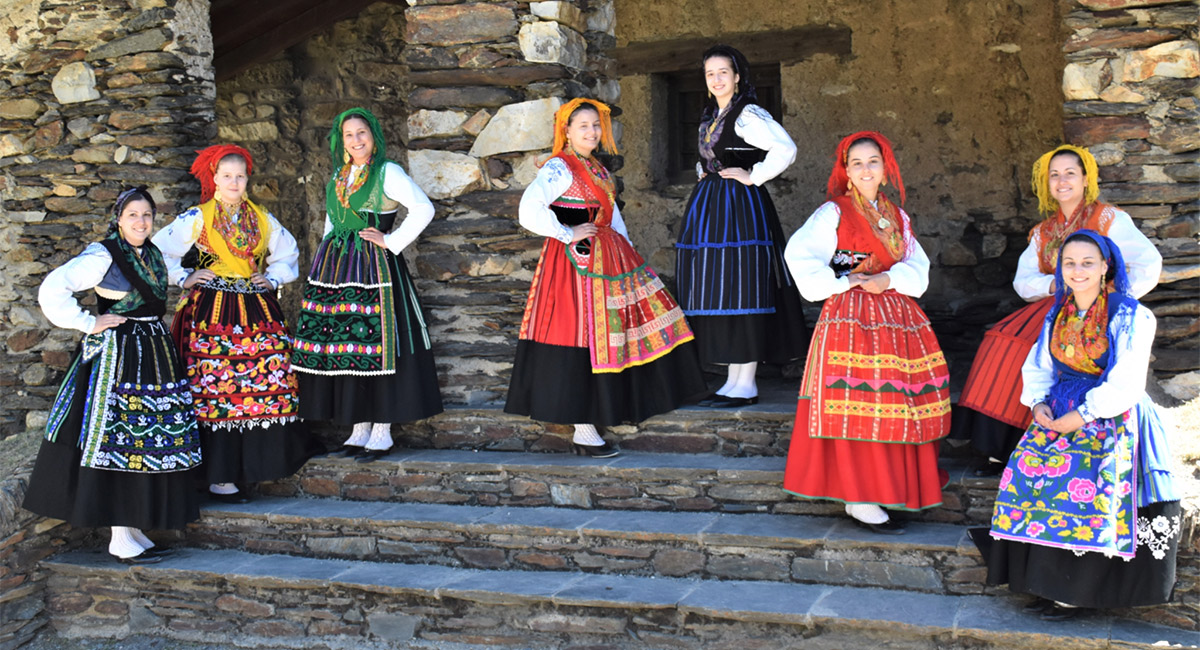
(1088, 513)
(121, 446)
(875, 397)
(989, 412)
(230, 255)
(602, 341)
(362, 346)
(733, 286)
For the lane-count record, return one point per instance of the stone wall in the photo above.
(93, 96)
(1130, 90)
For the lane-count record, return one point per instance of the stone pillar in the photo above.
(1129, 86)
(486, 80)
(93, 96)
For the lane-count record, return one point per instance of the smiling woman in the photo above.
(121, 447)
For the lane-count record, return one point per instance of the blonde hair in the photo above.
(1041, 177)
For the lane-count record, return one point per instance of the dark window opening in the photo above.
(686, 93)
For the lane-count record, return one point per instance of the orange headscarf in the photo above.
(205, 166)
(564, 115)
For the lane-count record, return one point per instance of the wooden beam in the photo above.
(781, 46)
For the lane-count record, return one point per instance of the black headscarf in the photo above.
(745, 88)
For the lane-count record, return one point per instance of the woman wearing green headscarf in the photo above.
(362, 349)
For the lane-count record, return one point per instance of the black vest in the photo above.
(731, 150)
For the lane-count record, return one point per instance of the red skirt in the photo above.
(994, 384)
(873, 407)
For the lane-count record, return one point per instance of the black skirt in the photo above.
(988, 436)
(732, 281)
(61, 488)
(1091, 579)
(410, 394)
(555, 383)
(257, 454)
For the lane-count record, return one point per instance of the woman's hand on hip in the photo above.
(373, 235)
(106, 321)
(198, 276)
(582, 231)
(737, 174)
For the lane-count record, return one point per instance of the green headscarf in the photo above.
(347, 221)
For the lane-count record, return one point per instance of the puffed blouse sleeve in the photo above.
(175, 239)
(910, 276)
(1142, 260)
(81, 273)
(809, 252)
(1037, 373)
(756, 126)
(535, 215)
(399, 187)
(1030, 283)
(283, 255)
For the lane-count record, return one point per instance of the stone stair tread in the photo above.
(691, 465)
(749, 529)
(984, 617)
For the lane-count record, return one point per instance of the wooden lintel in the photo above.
(782, 46)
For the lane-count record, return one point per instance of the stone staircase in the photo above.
(453, 547)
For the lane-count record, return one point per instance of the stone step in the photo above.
(287, 601)
(764, 429)
(936, 558)
(631, 481)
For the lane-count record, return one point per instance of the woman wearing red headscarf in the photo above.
(875, 397)
(602, 341)
(230, 329)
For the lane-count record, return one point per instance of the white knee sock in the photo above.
(381, 436)
(868, 513)
(141, 539)
(586, 434)
(730, 379)
(360, 435)
(222, 488)
(123, 544)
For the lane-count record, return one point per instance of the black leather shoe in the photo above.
(157, 551)
(236, 498)
(1037, 605)
(143, 558)
(371, 455)
(347, 451)
(605, 450)
(989, 468)
(1056, 612)
(708, 399)
(727, 402)
(889, 527)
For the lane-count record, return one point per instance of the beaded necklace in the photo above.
(884, 221)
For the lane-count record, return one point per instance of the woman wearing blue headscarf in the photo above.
(1088, 514)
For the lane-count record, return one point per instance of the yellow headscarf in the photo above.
(1041, 177)
(564, 114)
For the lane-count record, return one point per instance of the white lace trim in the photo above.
(1157, 534)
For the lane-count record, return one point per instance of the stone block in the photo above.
(570, 624)
(275, 629)
(434, 124)
(1121, 94)
(75, 83)
(562, 12)
(11, 145)
(264, 131)
(487, 558)
(244, 606)
(343, 546)
(748, 568)
(126, 120)
(1112, 38)
(866, 573)
(20, 109)
(1088, 131)
(150, 40)
(527, 126)
(525, 170)
(1177, 137)
(1177, 59)
(571, 495)
(477, 122)
(676, 562)
(445, 174)
(542, 560)
(460, 23)
(1085, 80)
(550, 42)
(602, 17)
(741, 493)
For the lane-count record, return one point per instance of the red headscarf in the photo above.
(838, 178)
(206, 163)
